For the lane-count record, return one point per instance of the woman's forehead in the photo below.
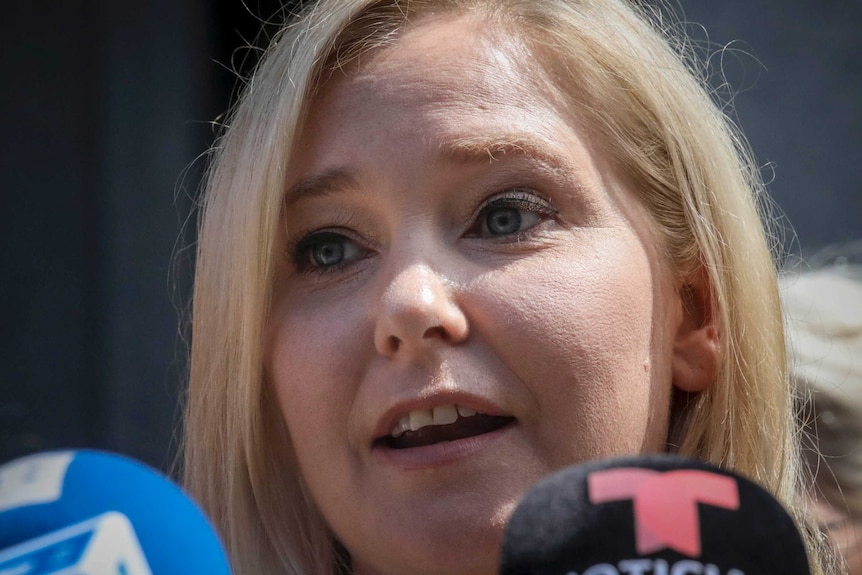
(442, 94)
(441, 57)
(440, 121)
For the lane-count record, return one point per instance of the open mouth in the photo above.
(445, 423)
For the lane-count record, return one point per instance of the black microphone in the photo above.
(650, 515)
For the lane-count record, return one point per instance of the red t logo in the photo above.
(665, 503)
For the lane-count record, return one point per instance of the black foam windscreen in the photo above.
(650, 515)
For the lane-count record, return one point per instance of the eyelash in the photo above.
(300, 252)
(526, 199)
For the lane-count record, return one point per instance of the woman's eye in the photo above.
(511, 214)
(326, 250)
(502, 221)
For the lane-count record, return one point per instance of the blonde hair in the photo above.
(652, 114)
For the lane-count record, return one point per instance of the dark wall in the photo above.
(798, 67)
(105, 106)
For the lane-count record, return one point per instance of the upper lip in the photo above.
(395, 412)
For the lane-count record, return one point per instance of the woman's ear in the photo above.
(697, 348)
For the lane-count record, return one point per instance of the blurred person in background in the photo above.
(824, 329)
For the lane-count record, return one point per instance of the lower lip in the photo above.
(438, 454)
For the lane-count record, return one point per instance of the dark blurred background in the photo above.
(106, 108)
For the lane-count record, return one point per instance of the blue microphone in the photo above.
(95, 513)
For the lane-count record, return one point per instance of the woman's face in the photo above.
(469, 299)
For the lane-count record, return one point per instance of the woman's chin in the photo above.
(456, 542)
(433, 559)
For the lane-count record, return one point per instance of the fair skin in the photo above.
(454, 241)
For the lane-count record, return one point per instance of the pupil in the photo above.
(503, 221)
(329, 253)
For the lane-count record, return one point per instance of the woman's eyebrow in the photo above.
(487, 149)
(324, 183)
(463, 149)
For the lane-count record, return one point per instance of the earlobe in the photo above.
(697, 346)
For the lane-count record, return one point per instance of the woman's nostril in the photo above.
(436, 332)
(394, 343)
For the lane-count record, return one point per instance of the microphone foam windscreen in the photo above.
(650, 515)
(52, 493)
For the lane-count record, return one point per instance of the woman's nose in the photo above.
(417, 312)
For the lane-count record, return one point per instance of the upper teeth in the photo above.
(440, 415)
